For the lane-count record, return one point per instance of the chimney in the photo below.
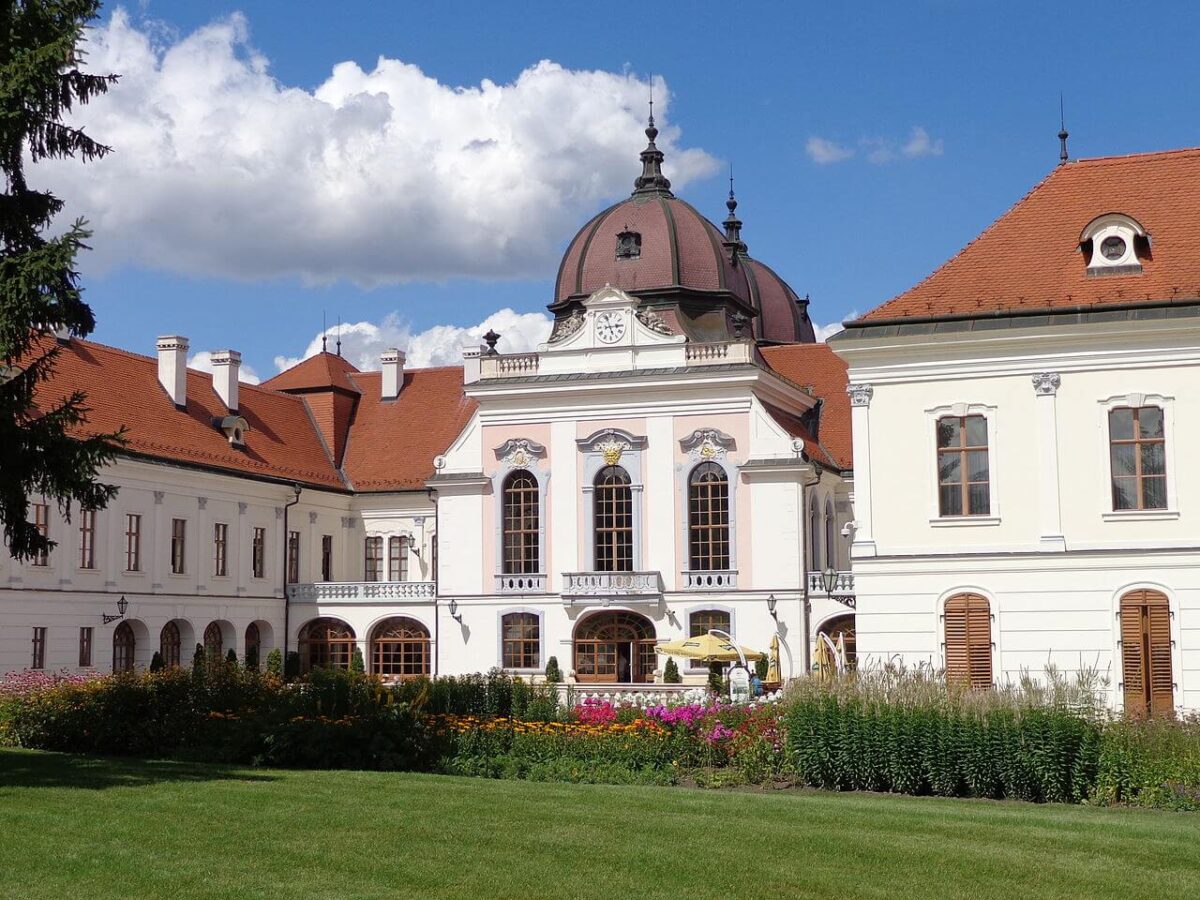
(172, 367)
(392, 364)
(227, 365)
(471, 364)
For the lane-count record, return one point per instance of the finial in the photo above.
(324, 336)
(733, 242)
(490, 339)
(339, 336)
(731, 203)
(1062, 132)
(652, 180)
(740, 320)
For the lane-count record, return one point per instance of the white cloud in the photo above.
(920, 144)
(441, 345)
(823, 151)
(376, 176)
(825, 332)
(201, 361)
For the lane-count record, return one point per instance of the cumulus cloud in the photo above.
(825, 332)
(441, 345)
(201, 361)
(876, 150)
(823, 151)
(381, 175)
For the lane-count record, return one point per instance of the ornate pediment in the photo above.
(707, 443)
(611, 443)
(519, 453)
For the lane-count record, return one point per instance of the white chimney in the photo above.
(227, 366)
(392, 364)
(172, 367)
(471, 364)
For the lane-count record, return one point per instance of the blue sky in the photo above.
(945, 114)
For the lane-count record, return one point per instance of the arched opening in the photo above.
(124, 648)
(831, 556)
(842, 628)
(214, 641)
(400, 648)
(520, 524)
(326, 643)
(613, 498)
(170, 645)
(814, 538)
(1147, 679)
(615, 647)
(708, 518)
(968, 628)
(253, 646)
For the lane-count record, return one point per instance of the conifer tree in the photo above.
(43, 450)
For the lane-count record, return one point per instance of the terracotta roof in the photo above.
(392, 443)
(323, 371)
(1029, 259)
(123, 390)
(816, 365)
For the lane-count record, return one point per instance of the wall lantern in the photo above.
(829, 579)
(453, 610)
(771, 604)
(122, 605)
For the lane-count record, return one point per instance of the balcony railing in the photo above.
(520, 584)
(717, 352)
(594, 584)
(508, 365)
(842, 586)
(360, 591)
(696, 580)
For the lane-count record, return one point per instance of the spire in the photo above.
(324, 333)
(1062, 132)
(652, 180)
(733, 242)
(339, 336)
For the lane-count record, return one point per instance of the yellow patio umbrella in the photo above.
(823, 659)
(773, 674)
(706, 648)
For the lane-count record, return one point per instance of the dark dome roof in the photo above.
(655, 245)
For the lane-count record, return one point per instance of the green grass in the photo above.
(75, 827)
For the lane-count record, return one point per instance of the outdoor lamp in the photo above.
(829, 579)
(771, 603)
(122, 605)
(453, 608)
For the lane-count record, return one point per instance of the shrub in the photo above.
(671, 672)
(291, 668)
(252, 657)
(356, 661)
(715, 680)
(1150, 763)
(231, 657)
(553, 672)
(199, 660)
(761, 667)
(156, 662)
(275, 663)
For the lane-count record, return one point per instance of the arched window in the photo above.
(1146, 654)
(520, 524)
(968, 623)
(212, 639)
(814, 537)
(170, 645)
(326, 643)
(400, 647)
(830, 536)
(708, 518)
(842, 628)
(521, 641)
(253, 645)
(124, 647)
(615, 647)
(702, 621)
(614, 520)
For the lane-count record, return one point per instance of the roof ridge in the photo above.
(1139, 156)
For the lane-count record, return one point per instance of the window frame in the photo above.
(632, 451)
(220, 549)
(38, 656)
(258, 552)
(1134, 399)
(397, 557)
(178, 546)
(373, 541)
(694, 665)
(610, 496)
(407, 649)
(967, 594)
(528, 504)
(327, 557)
(691, 527)
(293, 557)
(514, 455)
(87, 539)
(41, 522)
(133, 542)
(86, 642)
(540, 640)
(995, 477)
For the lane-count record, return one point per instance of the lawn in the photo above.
(75, 827)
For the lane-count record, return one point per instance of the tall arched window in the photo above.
(520, 524)
(968, 622)
(326, 643)
(253, 645)
(708, 518)
(830, 536)
(814, 537)
(521, 641)
(170, 645)
(124, 647)
(614, 520)
(400, 647)
(1146, 654)
(213, 641)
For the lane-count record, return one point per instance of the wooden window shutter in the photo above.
(1146, 654)
(968, 627)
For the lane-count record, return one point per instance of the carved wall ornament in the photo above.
(519, 453)
(1046, 384)
(158, 497)
(312, 518)
(860, 394)
(612, 449)
(348, 521)
(654, 322)
(202, 502)
(242, 507)
(566, 327)
(706, 443)
(611, 443)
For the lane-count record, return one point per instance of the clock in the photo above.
(610, 326)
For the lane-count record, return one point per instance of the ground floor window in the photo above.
(326, 644)
(253, 645)
(213, 641)
(968, 628)
(521, 641)
(615, 647)
(124, 647)
(842, 628)
(400, 647)
(170, 645)
(1147, 679)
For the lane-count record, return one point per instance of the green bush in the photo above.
(495, 694)
(553, 672)
(291, 666)
(671, 672)
(275, 663)
(761, 668)
(231, 657)
(156, 662)
(1150, 763)
(356, 661)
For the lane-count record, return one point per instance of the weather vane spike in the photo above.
(731, 180)
(324, 335)
(339, 335)
(1063, 156)
(651, 98)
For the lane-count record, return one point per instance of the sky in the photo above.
(417, 170)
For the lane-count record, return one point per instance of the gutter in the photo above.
(287, 600)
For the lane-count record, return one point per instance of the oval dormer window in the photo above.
(1113, 247)
(1114, 244)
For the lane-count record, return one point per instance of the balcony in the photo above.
(843, 587)
(520, 584)
(695, 580)
(611, 584)
(360, 591)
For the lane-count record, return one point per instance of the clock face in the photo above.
(610, 327)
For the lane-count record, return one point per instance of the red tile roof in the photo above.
(818, 367)
(325, 370)
(1029, 258)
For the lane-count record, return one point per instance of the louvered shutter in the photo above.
(1146, 654)
(968, 627)
(1133, 657)
(955, 619)
(1158, 620)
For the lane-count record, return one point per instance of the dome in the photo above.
(663, 251)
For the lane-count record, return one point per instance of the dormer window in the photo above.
(235, 428)
(629, 245)
(1114, 244)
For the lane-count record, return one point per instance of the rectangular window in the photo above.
(85, 647)
(258, 554)
(327, 557)
(398, 559)
(39, 648)
(41, 521)
(133, 542)
(962, 461)
(220, 549)
(373, 569)
(522, 646)
(178, 546)
(293, 557)
(87, 539)
(1138, 450)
